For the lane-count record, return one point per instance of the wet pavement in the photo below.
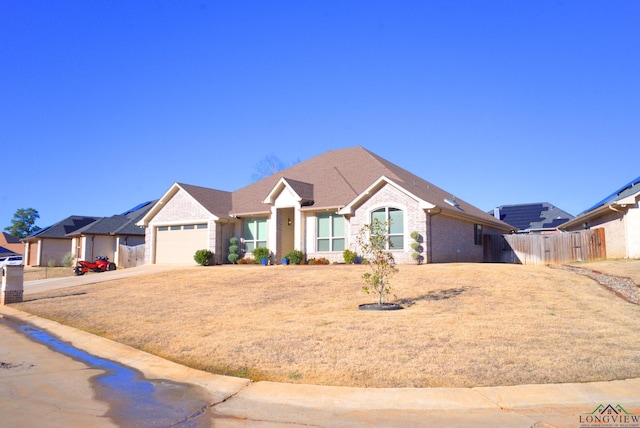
(131, 399)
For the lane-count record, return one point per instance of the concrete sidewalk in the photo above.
(61, 395)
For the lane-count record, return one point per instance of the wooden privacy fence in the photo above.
(131, 256)
(556, 248)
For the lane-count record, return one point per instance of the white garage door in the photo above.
(178, 244)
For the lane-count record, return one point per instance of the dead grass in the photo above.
(34, 273)
(625, 267)
(463, 324)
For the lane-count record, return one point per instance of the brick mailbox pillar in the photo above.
(12, 284)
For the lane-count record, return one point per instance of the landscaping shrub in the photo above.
(233, 250)
(261, 253)
(349, 256)
(417, 248)
(203, 257)
(320, 261)
(295, 257)
(67, 260)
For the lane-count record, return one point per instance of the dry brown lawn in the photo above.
(463, 324)
(33, 273)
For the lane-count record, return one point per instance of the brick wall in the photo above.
(452, 240)
(613, 224)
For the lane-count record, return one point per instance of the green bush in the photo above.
(349, 256)
(295, 257)
(67, 260)
(417, 248)
(203, 257)
(233, 250)
(261, 253)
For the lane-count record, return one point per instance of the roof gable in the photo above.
(303, 191)
(350, 208)
(216, 202)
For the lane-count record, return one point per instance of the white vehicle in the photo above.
(11, 260)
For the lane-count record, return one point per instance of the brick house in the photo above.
(85, 237)
(619, 215)
(318, 206)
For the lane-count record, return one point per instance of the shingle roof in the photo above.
(9, 239)
(124, 224)
(64, 227)
(6, 252)
(533, 216)
(628, 189)
(217, 202)
(339, 176)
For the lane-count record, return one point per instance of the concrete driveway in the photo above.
(37, 286)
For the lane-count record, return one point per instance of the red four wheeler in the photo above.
(100, 265)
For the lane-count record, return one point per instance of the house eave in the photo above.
(350, 208)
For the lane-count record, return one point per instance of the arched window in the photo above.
(394, 217)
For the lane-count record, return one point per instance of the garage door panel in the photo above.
(178, 244)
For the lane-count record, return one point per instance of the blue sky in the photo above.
(105, 104)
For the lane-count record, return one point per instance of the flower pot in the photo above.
(285, 261)
(263, 262)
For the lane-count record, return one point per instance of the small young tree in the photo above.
(373, 241)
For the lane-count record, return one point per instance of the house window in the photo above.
(477, 237)
(255, 234)
(330, 232)
(394, 218)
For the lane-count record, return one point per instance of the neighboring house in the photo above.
(319, 206)
(11, 243)
(85, 237)
(532, 218)
(51, 244)
(4, 252)
(619, 215)
(104, 236)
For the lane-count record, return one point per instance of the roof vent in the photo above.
(452, 202)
